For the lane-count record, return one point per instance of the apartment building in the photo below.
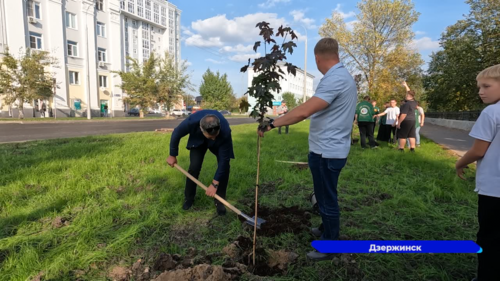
(90, 39)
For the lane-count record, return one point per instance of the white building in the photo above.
(90, 39)
(289, 83)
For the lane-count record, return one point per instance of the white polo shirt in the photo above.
(392, 115)
(487, 128)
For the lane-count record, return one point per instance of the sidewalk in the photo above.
(458, 141)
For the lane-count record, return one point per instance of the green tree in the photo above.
(189, 99)
(172, 80)
(27, 77)
(377, 46)
(291, 101)
(216, 91)
(469, 45)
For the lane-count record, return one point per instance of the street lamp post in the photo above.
(304, 98)
(89, 112)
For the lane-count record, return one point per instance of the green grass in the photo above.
(122, 202)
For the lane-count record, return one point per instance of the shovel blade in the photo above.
(259, 222)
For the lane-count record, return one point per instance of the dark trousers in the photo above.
(196, 156)
(382, 133)
(366, 130)
(325, 173)
(488, 238)
(391, 133)
(286, 130)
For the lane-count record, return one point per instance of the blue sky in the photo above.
(219, 34)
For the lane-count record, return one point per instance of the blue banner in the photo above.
(394, 247)
(277, 103)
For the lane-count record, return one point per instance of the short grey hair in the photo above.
(210, 124)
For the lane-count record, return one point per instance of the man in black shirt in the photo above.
(406, 122)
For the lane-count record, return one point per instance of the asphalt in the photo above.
(456, 140)
(29, 131)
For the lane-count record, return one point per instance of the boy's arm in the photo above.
(477, 152)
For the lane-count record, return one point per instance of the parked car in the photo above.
(225, 112)
(178, 112)
(134, 112)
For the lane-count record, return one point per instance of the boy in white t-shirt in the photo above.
(392, 113)
(486, 151)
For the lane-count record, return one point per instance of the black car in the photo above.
(225, 112)
(134, 112)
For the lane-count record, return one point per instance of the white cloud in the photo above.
(215, 61)
(199, 41)
(344, 15)
(419, 32)
(244, 57)
(188, 63)
(271, 3)
(425, 43)
(298, 16)
(240, 48)
(350, 24)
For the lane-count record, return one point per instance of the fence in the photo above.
(462, 115)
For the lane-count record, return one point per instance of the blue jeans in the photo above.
(325, 173)
(417, 139)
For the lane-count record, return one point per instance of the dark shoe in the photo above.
(412, 149)
(187, 204)
(221, 209)
(316, 232)
(401, 150)
(317, 256)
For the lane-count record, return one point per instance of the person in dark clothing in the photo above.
(406, 122)
(364, 119)
(208, 130)
(383, 131)
(376, 110)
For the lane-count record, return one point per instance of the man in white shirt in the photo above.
(391, 120)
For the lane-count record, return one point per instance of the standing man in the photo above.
(406, 122)
(364, 119)
(332, 111)
(391, 119)
(382, 129)
(208, 130)
(283, 111)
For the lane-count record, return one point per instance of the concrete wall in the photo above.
(454, 124)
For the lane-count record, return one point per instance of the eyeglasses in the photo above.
(212, 130)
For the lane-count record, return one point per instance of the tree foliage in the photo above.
(469, 45)
(26, 77)
(216, 91)
(244, 105)
(291, 101)
(378, 45)
(268, 72)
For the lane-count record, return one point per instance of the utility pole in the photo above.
(304, 98)
(89, 111)
(54, 99)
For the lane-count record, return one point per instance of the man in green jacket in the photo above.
(364, 119)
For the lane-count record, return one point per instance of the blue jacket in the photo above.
(221, 147)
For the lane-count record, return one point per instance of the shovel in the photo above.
(249, 220)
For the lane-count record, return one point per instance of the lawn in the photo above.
(90, 208)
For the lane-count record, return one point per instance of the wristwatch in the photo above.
(216, 185)
(271, 124)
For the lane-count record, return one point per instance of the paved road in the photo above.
(457, 140)
(41, 130)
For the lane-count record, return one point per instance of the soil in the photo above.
(281, 220)
(119, 273)
(301, 166)
(59, 222)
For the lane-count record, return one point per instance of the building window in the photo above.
(131, 6)
(148, 4)
(122, 4)
(156, 8)
(99, 5)
(139, 3)
(140, 11)
(148, 14)
(101, 29)
(163, 11)
(74, 78)
(34, 9)
(170, 22)
(72, 49)
(103, 81)
(35, 41)
(164, 21)
(171, 14)
(157, 18)
(70, 20)
(101, 54)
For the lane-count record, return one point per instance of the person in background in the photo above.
(376, 110)
(283, 110)
(419, 122)
(382, 129)
(364, 119)
(486, 151)
(44, 109)
(406, 121)
(391, 120)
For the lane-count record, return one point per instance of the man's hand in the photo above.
(398, 126)
(211, 191)
(264, 127)
(421, 124)
(461, 172)
(404, 83)
(171, 161)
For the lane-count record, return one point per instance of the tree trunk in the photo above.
(141, 113)
(21, 110)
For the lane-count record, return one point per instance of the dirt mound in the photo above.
(281, 220)
(199, 272)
